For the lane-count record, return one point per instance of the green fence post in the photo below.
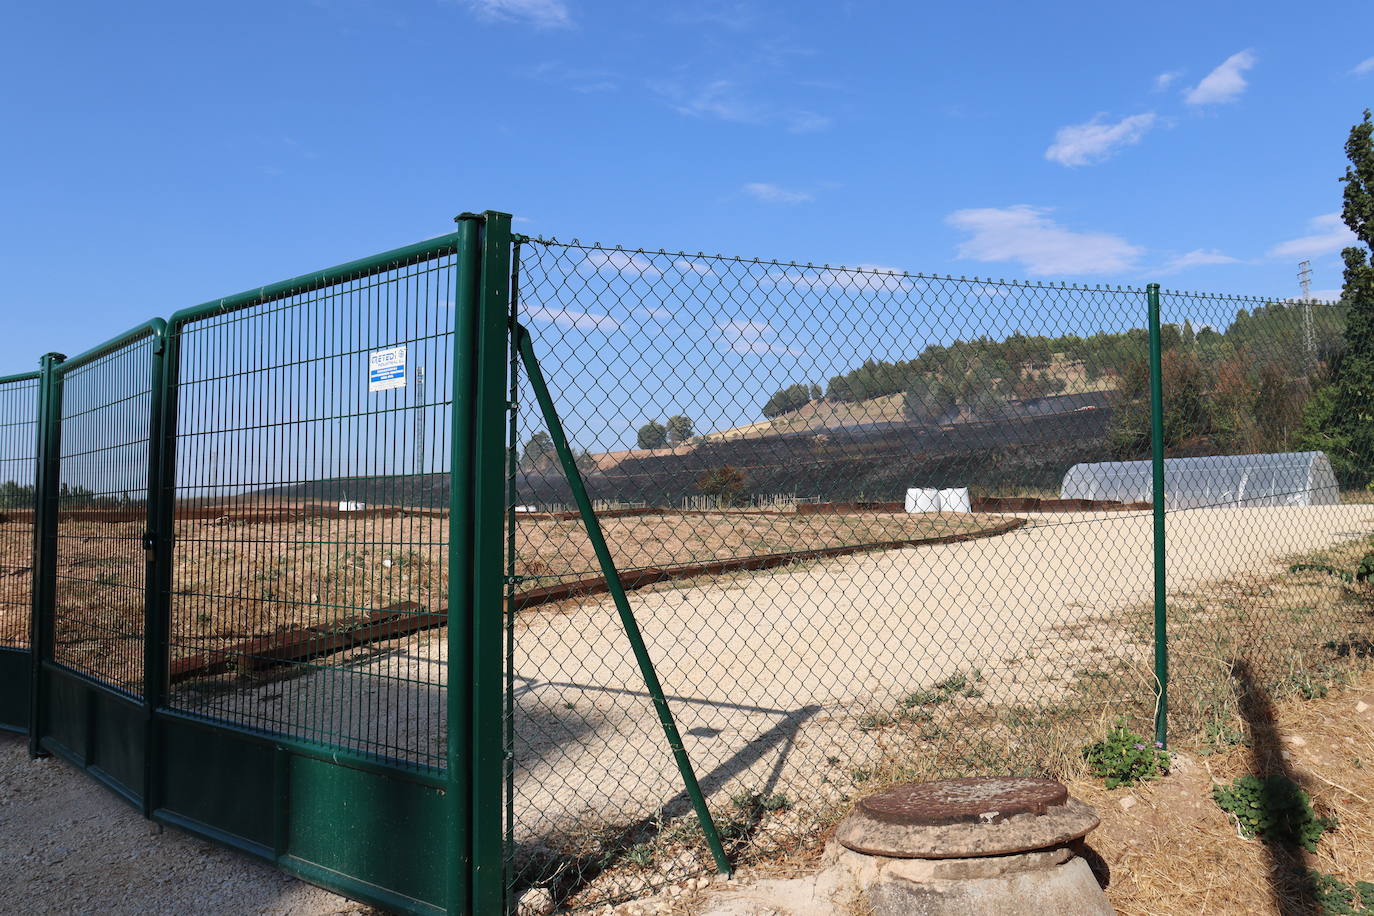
(622, 603)
(44, 540)
(458, 681)
(489, 560)
(1157, 466)
(157, 543)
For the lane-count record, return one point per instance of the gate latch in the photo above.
(149, 543)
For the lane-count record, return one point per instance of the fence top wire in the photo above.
(1249, 299)
(866, 270)
(860, 270)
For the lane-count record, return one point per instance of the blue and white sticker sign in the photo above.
(386, 369)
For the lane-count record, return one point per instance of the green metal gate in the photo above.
(261, 535)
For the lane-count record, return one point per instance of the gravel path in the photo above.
(67, 845)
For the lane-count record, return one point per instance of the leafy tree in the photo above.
(652, 435)
(1340, 418)
(680, 429)
(1186, 413)
(788, 399)
(724, 482)
(14, 495)
(928, 398)
(538, 452)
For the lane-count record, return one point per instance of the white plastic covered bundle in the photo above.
(1281, 479)
(925, 499)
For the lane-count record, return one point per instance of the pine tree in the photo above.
(1340, 418)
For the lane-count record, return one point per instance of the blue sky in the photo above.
(162, 154)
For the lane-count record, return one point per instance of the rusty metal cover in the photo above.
(966, 818)
(986, 800)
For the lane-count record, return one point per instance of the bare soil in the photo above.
(68, 846)
(234, 580)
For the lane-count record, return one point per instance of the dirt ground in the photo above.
(68, 846)
(233, 580)
(782, 682)
(1165, 847)
(780, 679)
(767, 674)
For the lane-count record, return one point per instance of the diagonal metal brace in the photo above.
(525, 345)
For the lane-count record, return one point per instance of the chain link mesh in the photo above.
(835, 495)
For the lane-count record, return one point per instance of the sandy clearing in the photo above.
(767, 673)
(767, 677)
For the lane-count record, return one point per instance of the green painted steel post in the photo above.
(622, 603)
(44, 540)
(158, 568)
(1158, 495)
(458, 680)
(489, 561)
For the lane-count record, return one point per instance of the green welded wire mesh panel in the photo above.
(308, 588)
(1243, 379)
(18, 469)
(753, 434)
(105, 429)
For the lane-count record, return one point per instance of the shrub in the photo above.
(1273, 809)
(1124, 758)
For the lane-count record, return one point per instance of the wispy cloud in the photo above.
(1097, 140)
(545, 14)
(1328, 236)
(726, 100)
(694, 267)
(772, 194)
(737, 17)
(1198, 257)
(578, 79)
(1027, 236)
(1165, 80)
(862, 277)
(1225, 83)
(623, 262)
(1364, 67)
(567, 318)
(756, 337)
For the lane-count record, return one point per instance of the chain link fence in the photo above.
(844, 504)
(776, 535)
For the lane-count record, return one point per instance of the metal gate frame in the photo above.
(408, 839)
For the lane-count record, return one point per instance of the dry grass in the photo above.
(1268, 672)
(1174, 852)
(16, 576)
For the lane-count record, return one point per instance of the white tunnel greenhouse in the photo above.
(1284, 479)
